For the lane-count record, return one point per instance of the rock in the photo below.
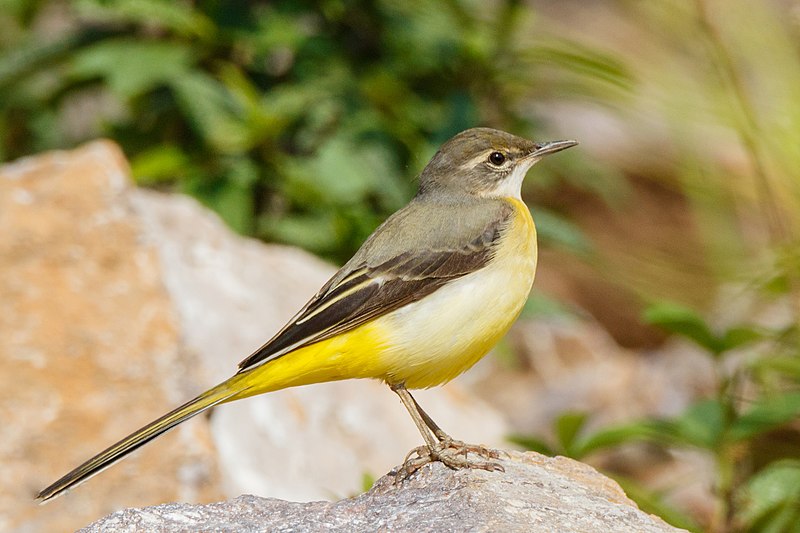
(534, 494)
(90, 345)
(118, 304)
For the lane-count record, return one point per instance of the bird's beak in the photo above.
(547, 148)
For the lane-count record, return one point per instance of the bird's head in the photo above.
(483, 162)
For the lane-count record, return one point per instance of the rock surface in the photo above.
(534, 494)
(90, 345)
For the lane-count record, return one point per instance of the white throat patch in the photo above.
(511, 187)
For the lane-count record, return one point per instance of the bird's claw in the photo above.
(453, 454)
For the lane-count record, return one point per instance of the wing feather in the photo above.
(359, 293)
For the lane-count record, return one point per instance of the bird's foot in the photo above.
(462, 448)
(453, 454)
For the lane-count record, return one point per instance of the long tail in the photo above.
(219, 394)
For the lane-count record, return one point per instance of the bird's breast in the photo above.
(439, 337)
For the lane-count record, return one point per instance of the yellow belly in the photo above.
(425, 343)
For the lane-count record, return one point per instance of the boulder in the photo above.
(90, 345)
(534, 494)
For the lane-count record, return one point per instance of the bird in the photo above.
(426, 296)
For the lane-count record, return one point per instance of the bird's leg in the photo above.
(424, 454)
(433, 426)
(420, 418)
(439, 446)
(449, 442)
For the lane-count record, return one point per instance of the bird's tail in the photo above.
(219, 394)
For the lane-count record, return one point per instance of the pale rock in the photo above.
(535, 494)
(90, 345)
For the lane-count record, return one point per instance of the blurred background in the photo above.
(671, 230)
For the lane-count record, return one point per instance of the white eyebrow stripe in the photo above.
(482, 157)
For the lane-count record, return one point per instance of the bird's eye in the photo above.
(497, 158)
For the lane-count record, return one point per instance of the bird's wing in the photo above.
(361, 291)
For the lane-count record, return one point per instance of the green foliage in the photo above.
(130, 68)
(567, 427)
(367, 481)
(768, 413)
(301, 122)
(772, 498)
(553, 228)
(683, 321)
(533, 443)
(753, 493)
(653, 503)
(539, 305)
(610, 437)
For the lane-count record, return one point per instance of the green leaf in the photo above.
(584, 60)
(683, 321)
(344, 172)
(613, 436)
(788, 365)
(768, 413)
(278, 30)
(179, 17)
(554, 228)
(532, 443)
(315, 232)
(234, 203)
(33, 53)
(539, 305)
(132, 67)
(653, 503)
(567, 427)
(741, 335)
(212, 112)
(367, 481)
(338, 172)
(159, 164)
(772, 498)
(231, 197)
(701, 425)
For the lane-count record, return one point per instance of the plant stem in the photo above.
(748, 133)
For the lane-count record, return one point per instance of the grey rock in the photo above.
(534, 494)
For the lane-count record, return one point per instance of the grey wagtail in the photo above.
(424, 298)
